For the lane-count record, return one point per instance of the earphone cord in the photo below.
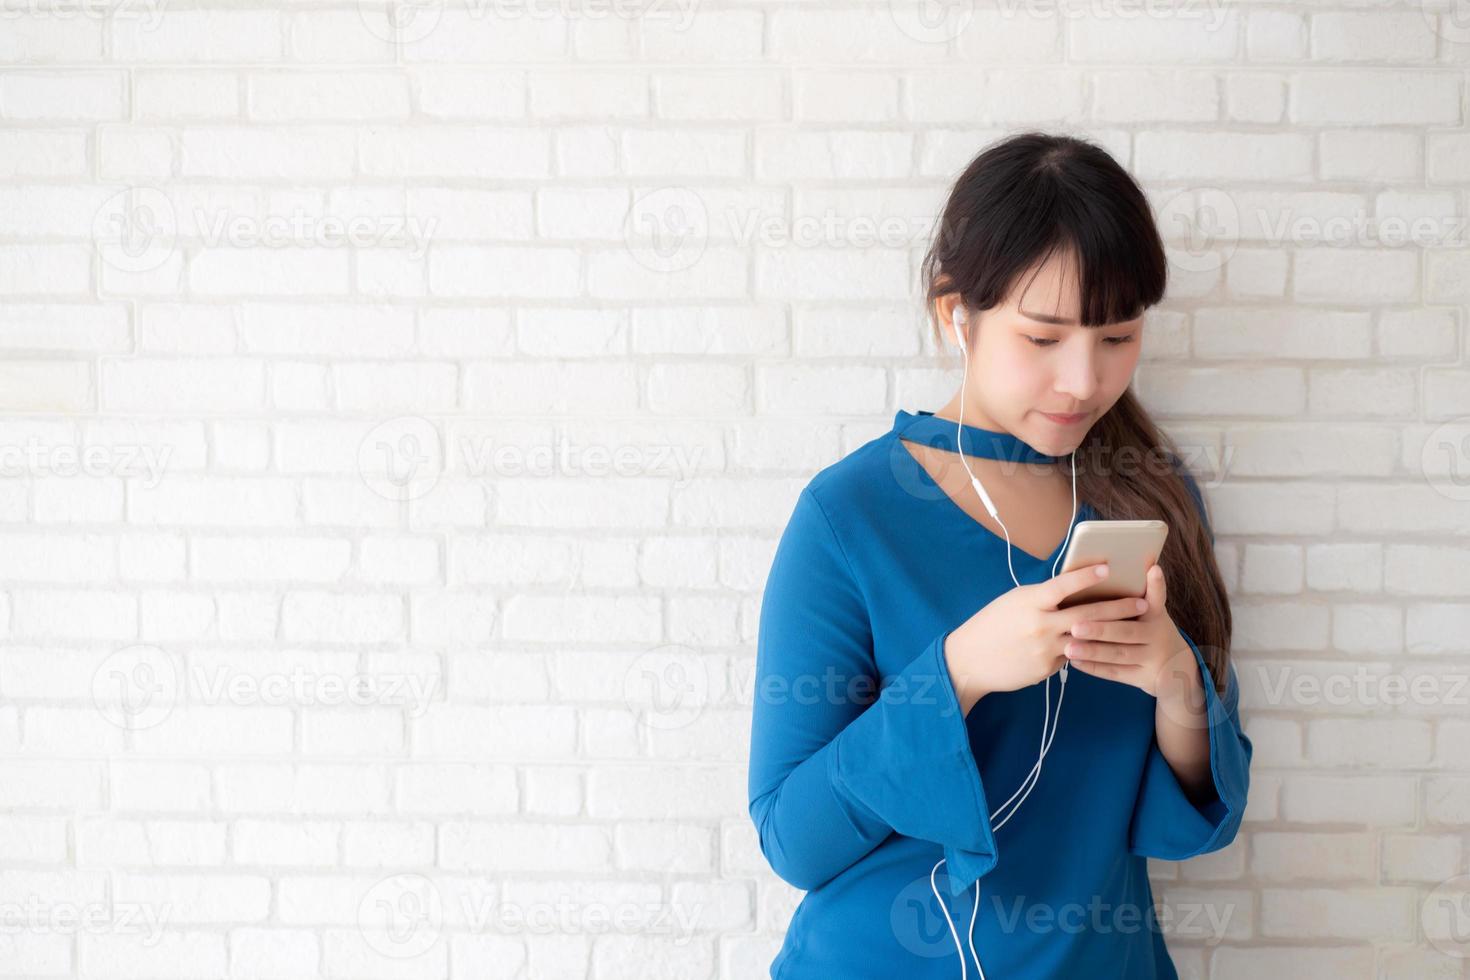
(1047, 735)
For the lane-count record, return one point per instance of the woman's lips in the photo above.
(1066, 419)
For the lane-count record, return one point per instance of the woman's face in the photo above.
(1031, 357)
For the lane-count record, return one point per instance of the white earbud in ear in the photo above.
(959, 318)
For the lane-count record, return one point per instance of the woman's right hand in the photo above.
(1017, 639)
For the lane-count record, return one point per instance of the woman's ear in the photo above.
(958, 318)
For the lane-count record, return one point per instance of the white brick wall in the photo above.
(385, 515)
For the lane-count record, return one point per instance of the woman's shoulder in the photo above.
(860, 481)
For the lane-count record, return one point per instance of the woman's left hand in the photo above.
(1147, 652)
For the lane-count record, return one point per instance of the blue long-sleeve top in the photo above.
(864, 772)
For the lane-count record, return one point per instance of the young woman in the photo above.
(914, 655)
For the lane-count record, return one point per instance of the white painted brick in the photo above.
(1278, 391)
(716, 330)
(600, 618)
(135, 153)
(685, 389)
(1419, 334)
(501, 847)
(260, 152)
(1359, 392)
(1361, 743)
(200, 36)
(388, 845)
(75, 95)
(273, 952)
(499, 732)
(178, 95)
(290, 96)
(213, 898)
(1278, 856)
(356, 731)
(1370, 154)
(668, 562)
(1447, 800)
(1420, 857)
(1368, 97)
(835, 96)
(342, 618)
(1235, 333)
(1447, 153)
(32, 36)
(1222, 156)
(140, 385)
(1243, 963)
(553, 791)
(1255, 98)
(1436, 627)
(1371, 36)
(1340, 276)
(33, 840)
(624, 503)
(453, 788)
(820, 391)
(179, 954)
(660, 847)
(1272, 569)
(1374, 630)
(1338, 913)
(280, 788)
(1426, 570)
(280, 843)
(167, 786)
(1354, 801)
(845, 155)
(1307, 450)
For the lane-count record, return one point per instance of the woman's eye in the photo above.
(1047, 342)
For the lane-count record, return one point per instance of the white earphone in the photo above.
(1048, 723)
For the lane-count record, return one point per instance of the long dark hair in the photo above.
(1017, 203)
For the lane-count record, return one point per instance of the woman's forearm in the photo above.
(1182, 729)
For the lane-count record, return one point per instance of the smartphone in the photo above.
(1128, 547)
